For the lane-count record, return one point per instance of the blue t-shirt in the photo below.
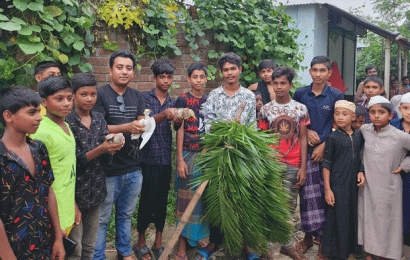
(320, 109)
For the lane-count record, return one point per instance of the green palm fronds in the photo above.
(245, 196)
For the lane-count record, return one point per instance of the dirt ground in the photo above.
(222, 253)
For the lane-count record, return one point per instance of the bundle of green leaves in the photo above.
(245, 196)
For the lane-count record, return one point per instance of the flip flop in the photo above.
(157, 252)
(251, 256)
(205, 253)
(141, 252)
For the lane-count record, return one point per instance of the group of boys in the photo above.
(66, 174)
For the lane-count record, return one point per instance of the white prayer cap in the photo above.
(378, 100)
(405, 98)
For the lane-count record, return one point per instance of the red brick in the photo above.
(144, 63)
(122, 37)
(102, 69)
(146, 71)
(101, 77)
(97, 61)
(143, 78)
(103, 52)
(182, 43)
(123, 46)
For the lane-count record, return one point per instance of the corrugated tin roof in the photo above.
(353, 18)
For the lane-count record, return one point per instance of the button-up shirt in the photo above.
(90, 189)
(23, 201)
(158, 149)
(221, 106)
(320, 109)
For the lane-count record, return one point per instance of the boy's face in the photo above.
(372, 89)
(122, 71)
(358, 122)
(281, 86)
(371, 72)
(85, 98)
(198, 79)
(52, 71)
(163, 81)
(404, 109)
(406, 81)
(343, 117)
(231, 72)
(320, 73)
(60, 103)
(266, 75)
(379, 116)
(26, 120)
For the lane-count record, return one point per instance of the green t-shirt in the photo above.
(61, 149)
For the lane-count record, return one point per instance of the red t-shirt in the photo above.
(285, 119)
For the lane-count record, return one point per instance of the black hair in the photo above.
(266, 64)
(369, 67)
(83, 80)
(124, 54)
(197, 66)
(375, 79)
(43, 65)
(163, 66)
(230, 57)
(51, 85)
(284, 71)
(405, 77)
(321, 60)
(15, 98)
(360, 111)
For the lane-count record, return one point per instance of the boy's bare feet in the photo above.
(293, 253)
(304, 245)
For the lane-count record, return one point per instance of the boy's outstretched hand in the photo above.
(360, 179)
(182, 169)
(330, 197)
(58, 251)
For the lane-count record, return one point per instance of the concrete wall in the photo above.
(311, 20)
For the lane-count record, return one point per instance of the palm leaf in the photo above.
(245, 196)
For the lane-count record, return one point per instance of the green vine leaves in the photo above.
(33, 31)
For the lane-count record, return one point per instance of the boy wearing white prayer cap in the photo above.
(380, 211)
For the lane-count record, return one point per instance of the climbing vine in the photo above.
(33, 31)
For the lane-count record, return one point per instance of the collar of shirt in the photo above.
(4, 152)
(152, 94)
(324, 91)
(222, 91)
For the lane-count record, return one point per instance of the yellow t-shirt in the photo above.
(61, 150)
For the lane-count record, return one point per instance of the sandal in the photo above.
(292, 253)
(302, 247)
(205, 253)
(183, 257)
(141, 252)
(157, 252)
(251, 256)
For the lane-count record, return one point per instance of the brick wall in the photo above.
(143, 78)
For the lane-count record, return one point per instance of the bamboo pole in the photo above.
(191, 206)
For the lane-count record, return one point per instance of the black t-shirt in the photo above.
(192, 127)
(125, 160)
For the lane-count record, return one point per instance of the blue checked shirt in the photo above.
(158, 149)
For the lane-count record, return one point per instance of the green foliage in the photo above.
(254, 29)
(36, 31)
(245, 196)
(149, 24)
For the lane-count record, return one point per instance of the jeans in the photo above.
(122, 191)
(85, 235)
